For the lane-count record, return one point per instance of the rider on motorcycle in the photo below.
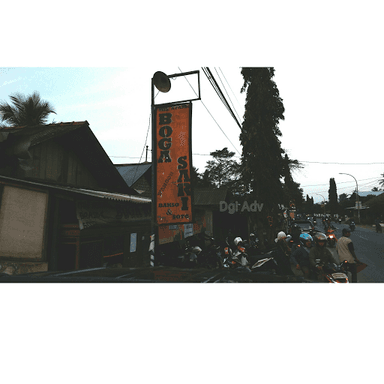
(295, 233)
(282, 254)
(319, 256)
(253, 245)
(239, 252)
(300, 257)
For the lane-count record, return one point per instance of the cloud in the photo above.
(10, 81)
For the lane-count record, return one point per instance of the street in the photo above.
(369, 248)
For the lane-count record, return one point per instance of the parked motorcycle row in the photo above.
(203, 251)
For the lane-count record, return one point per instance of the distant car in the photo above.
(305, 225)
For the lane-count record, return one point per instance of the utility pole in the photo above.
(357, 196)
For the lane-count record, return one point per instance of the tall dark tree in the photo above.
(332, 195)
(293, 194)
(262, 156)
(25, 110)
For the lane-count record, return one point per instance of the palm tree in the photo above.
(381, 181)
(26, 110)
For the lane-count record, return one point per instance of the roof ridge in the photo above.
(68, 123)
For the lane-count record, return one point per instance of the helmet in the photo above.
(320, 237)
(237, 240)
(280, 235)
(304, 237)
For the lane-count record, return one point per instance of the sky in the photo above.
(331, 124)
(328, 68)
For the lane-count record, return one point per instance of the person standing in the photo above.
(346, 252)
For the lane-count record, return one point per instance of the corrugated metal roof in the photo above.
(132, 172)
(82, 191)
(111, 196)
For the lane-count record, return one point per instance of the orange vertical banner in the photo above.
(173, 162)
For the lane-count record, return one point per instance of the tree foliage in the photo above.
(293, 194)
(381, 181)
(266, 168)
(25, 110)
(262, 153)
(223, 170)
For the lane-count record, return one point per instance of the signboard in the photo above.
(173, 164)
(101, 213)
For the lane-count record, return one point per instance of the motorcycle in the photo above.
(290, 242)
(252, 247)
(273, 262)
(352, 226)
(236, 257)
(189, 258)
(212, 255)
(267, 263)
(336, 273)
(331, 237)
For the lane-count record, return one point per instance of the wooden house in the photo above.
(63, 204)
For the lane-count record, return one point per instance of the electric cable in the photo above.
(216, 87)
(229, 87)
(212, 115)
(229, 98)
(330, 163)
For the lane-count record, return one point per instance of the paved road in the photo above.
(369, 248)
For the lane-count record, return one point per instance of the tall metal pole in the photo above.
(357, 196)
(163, 84)
(153, 239)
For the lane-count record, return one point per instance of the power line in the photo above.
(341, 182)
(211, 115)
(229, 87)
(227, 94)
(321, 162)
(216, 87)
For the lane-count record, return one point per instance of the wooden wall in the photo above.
(52, 163)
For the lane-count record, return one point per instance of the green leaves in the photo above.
(223, 171)
(25, 110)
